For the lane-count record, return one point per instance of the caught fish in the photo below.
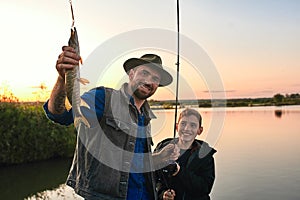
(72, 81)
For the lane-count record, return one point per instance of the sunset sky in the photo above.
(253, 46)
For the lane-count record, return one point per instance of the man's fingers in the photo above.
(69, 52)
(68, 48)
(68, 60)
(61, 67)
(175, 152)
(169, 195)
(170, 146)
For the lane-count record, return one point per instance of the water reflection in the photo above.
(278, 113)
(257, 156)
(20, 181)
(63, 192)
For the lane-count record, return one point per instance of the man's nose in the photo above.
(187, 127)
(149, 80)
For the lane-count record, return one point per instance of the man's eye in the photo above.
(145, 72)
(156, 80)
(193, 125)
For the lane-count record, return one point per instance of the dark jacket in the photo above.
(103, 154)
(193, 182)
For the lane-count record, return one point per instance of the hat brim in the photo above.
(165, 78)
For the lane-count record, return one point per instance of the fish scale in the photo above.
(72, 81)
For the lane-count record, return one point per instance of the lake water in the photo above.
(258, 157)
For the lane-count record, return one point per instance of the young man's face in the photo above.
(188, 128)
(143, 81)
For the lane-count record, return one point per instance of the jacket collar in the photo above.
(145, 107)
(201, 146)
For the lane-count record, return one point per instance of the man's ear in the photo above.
(200, 130)
(177, 127)
(130, 74)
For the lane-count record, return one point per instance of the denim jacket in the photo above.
(102, 159)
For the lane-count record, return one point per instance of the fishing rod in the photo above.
(171, 168)
(177, 74)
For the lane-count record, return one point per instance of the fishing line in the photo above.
(73, 19)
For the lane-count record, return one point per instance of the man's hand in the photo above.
(169, 153)
(66, 60)
(169, 195)
(178, 168)
(166, 155)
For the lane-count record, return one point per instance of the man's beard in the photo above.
(140, 94)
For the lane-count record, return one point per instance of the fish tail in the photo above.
(80, 119)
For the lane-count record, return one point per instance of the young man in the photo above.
(113, 158)
(195, 173)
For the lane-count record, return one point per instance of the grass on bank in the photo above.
(27, 135)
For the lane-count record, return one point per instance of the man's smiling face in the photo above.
(143, 81)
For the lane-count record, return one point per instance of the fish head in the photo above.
(73, 40)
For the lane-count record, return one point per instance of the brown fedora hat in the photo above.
(153, 61)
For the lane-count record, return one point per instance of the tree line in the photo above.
(277, 100)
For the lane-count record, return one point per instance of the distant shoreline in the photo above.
(277, 100)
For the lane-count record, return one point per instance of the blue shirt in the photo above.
(136, 182)
(95, 98)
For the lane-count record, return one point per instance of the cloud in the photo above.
(219, 91)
